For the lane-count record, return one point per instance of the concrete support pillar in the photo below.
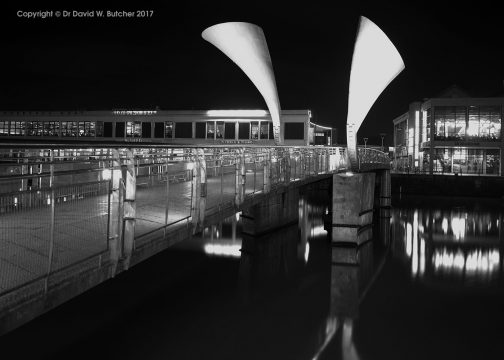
(352, 215)
(274, 212)
(385, 193)
(240, 175)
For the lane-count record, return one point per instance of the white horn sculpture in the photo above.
(375, 63)
(245, 44)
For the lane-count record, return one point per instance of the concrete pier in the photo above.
(352, 213)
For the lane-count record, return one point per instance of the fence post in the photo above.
(287, 175)
(129, 209)
(115, 216)
(167, 194)
(51, 239)
(196, 189)
(238, 177)
(266, 172)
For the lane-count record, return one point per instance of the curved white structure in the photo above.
(245, 44)
(375, 63)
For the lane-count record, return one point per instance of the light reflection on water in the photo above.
(449, 242)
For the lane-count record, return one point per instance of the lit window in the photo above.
(133, 129)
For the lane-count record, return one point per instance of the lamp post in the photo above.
(365, 142)
(382, 137)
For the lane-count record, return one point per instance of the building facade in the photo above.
(450, 134)
(160, 126)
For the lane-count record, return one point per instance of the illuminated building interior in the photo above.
(211, 126)
(450, 134)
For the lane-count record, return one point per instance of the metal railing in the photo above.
(68, 209)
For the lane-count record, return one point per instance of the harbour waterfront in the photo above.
(429, 285)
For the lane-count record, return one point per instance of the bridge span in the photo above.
(73, 216)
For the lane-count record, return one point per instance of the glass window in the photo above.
(210, 130)
(133, 129)
(17, 128)
(146, 129)
(439, 115)
(219, 133)
(119, 132)
(229, 131)
(254, 132)
(107, 129)
(475, 161)
(264, 129)
(473, 122)
(99, 129)
(50, 128)
(183, 130)
(168, 130)
(200, 130)
(69, 128)
(159, 130)
(460, 122)
(429, 122)
(4, 128)
(492, 162)
(33, 128)
(244, 130)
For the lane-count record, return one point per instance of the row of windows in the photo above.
(253, 130)
(464, 161)
(473, 122)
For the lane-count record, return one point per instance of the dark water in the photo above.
(429, 286)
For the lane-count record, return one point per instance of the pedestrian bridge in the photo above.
(72, 216)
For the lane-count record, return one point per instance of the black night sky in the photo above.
(102, 64)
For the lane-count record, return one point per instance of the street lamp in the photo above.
(382, 137)
(365, 142)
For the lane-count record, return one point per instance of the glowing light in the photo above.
(477, 262)
(414, 258)
(236, 113)
(245, 44)
(307, 252)
(318, 230)
(349, 173)
(375, 63)
(134, 112)
(422, 257)
(444, 226)
(232, 250)
(458, 226)
(409, 248)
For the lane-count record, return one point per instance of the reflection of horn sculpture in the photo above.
(375, 63)
(245, 44)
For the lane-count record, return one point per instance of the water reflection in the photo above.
(452, 242)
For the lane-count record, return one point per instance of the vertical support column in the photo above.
(267, 172)
(51, 238)
(129, 209)
(315, 162)
(239, 176)
(287, 158)
(203, 185)
(385, 192)
(243, 171)
(196, 190)
(167, 193)
(352, 215)
(115, 213)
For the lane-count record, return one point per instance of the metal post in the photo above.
(266, 172)
(196, 190)
(51, 234)
(238, 180)
(129, 209)
(115, 215)
(167, 194)
(243, 171)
